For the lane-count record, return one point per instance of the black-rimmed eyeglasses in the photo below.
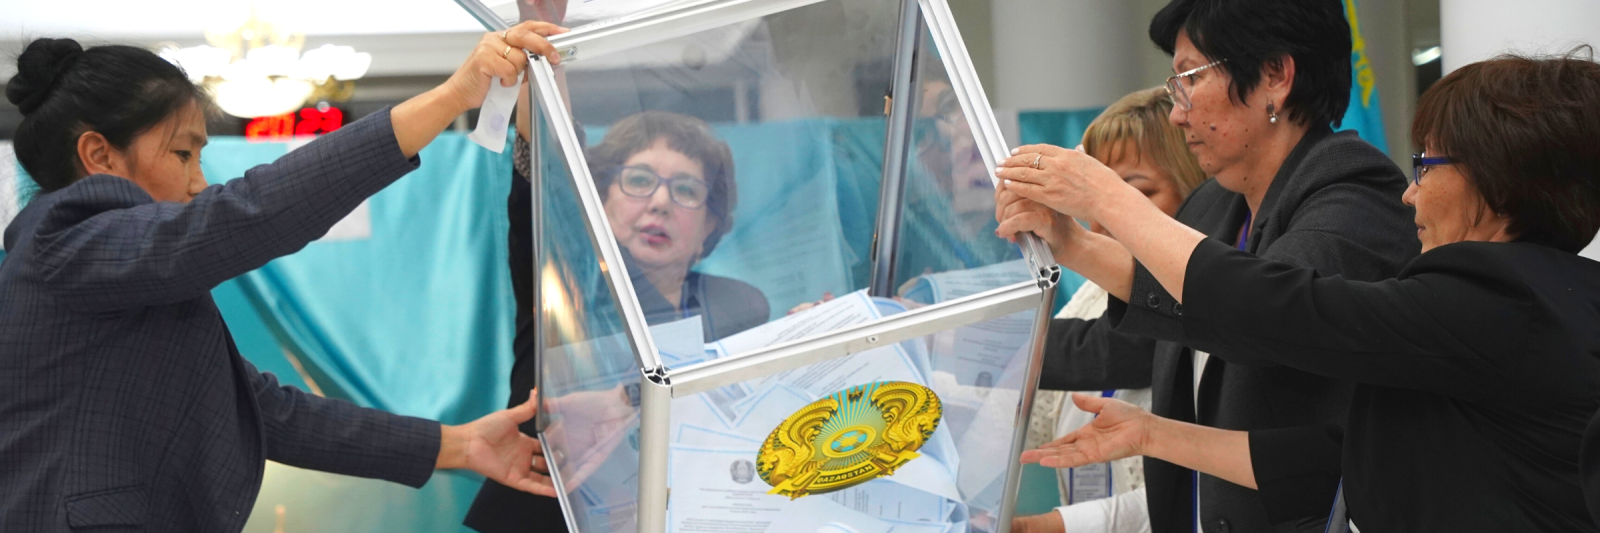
(641, 182)
(1422, 163)
(1179, 85)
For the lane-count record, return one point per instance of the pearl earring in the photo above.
(1272, 113)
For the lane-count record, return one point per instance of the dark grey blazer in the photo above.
(1590, 462)
(1334, 206)
(124, 405)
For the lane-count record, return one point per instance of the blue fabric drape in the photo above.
(415, 318)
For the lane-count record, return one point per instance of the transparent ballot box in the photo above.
(770, 298)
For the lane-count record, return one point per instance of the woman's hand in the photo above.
(1067, 181)
(1094, 256)
(1018, 215)
(494, 447)
(1050, 522)
(418, 120)
(1121, 430)
(826, 297)
(587, 427)
(503, 57)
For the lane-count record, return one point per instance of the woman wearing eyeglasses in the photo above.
(1477, 367)
(669, 193)
(1259, 83)
(668, 188)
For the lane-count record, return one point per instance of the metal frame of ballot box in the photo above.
(658, 385)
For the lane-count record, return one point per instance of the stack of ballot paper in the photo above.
(717, 434)
(954, 486)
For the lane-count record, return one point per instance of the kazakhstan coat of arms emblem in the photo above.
(847, 438)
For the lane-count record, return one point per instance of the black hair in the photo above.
(65, 91)
(1251, 33)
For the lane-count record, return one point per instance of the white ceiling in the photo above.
(177, 19)
(116, 20)
(405, 37)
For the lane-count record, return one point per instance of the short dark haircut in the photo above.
(65, 91)
(1252, 33)
(1522, 131)
(685, 134)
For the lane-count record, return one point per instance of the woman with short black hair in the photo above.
(1259, 85)
(1477, 368)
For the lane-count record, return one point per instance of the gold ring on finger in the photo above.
(1036, 159)
(503, 34)
(506, 54)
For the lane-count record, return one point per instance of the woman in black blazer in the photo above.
(1476, 368)
(1261, 81)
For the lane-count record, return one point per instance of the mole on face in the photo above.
(1213, 128)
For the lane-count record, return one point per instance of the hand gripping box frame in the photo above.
(862, 148)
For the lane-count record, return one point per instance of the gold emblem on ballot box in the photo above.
(848, 438)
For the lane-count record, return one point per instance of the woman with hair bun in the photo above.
(124, 404)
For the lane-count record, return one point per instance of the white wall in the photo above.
(1064, 54)
(1474, 30)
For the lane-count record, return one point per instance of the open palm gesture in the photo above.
(1121, 430)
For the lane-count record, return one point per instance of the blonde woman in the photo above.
(1134, 138)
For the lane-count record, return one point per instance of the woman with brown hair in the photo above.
(668, 188)
(1477, 367)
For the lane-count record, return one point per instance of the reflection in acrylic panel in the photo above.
(739, 167)
(739, 171)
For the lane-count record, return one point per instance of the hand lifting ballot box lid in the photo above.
(768, 293)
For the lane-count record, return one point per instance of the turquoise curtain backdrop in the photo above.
(413, 318)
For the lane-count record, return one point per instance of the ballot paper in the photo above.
(680, 342)
(824, 515)
(987, 444)
(838, 313)
(758, 418)
(692, 435)
(918, 527)
(753, 422)
(495, 115)
(889, 363)
(614, 518)
(977, 354)
(946, 286)
(717, 491)
(889, 500)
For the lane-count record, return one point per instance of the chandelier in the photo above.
(257, 69)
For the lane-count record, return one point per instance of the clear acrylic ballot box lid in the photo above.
(769, 293)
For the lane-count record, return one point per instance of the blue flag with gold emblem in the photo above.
(1364, 115)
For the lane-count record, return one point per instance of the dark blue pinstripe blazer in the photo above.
(124, 405)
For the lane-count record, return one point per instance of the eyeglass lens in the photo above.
(684, 190)
(1175, 90)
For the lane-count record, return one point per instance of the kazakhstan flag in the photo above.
(1364, 115)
